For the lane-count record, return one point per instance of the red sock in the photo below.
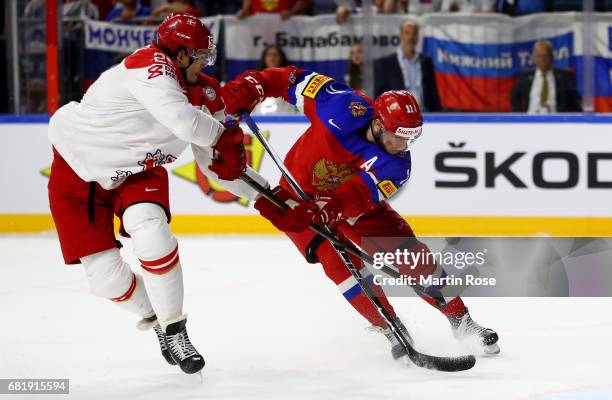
(454, 308)
(364, 307)
(337, 271)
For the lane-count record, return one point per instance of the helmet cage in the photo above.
(209, 55)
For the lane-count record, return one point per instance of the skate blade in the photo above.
(473, 345)
(193, 379)
(491, 350)
(405, 360)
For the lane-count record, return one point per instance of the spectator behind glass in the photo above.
(80, 9)
(392, 6)
(273, 56)
(104, 7)
(546, 89)
(285, 8)
(469, 6)
(354, 77)
(407, 69)
(126, 10)
(177, 6)
(348, 7)
(220, 7)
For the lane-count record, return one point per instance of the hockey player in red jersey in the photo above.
(352, 157)
(109, 151)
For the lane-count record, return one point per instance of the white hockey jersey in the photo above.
(136, 116)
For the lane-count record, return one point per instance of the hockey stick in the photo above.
(351, 248)
(449, 364)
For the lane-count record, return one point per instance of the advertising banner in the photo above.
(458, 169)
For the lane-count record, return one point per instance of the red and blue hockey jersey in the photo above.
(334, 153)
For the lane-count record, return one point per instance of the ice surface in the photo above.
(272, 326)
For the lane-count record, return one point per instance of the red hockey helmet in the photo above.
(399, 113)
(185, 30)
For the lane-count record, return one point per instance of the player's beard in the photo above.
(379, 141)
(377, 138)
(186, 76)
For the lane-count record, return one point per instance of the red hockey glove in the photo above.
(329, 211)
(243, 93)
(195, 95)
(229, 158)
(295, 218)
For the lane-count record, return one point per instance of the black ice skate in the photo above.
(181, 349)
(151, 322)
(397, 350)
(161, 338)
(468, 331)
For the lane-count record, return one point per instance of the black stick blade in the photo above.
(445, 364)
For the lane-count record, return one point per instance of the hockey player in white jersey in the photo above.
(108, 155)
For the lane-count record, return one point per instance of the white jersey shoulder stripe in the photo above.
(299, 89)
